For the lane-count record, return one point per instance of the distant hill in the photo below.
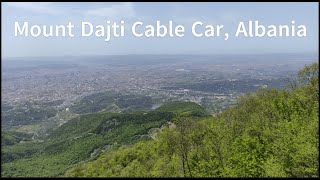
(111, 102)
(180, 107)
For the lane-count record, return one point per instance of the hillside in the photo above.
(79, 139)
(181, 107)
(269, 133)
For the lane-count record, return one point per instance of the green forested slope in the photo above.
(269, 133)
(182, 107)
(77, 140)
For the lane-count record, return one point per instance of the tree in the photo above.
(184, 129)
(309, 75)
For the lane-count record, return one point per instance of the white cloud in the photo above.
(118, 11)
(37, 7)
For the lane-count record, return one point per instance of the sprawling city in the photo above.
(46, 88)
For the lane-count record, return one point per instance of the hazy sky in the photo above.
(228, 14)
